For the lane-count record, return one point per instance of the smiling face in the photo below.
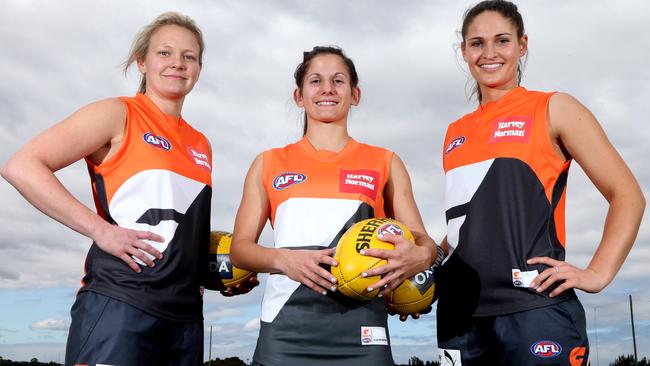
(171, 66)
(492, 49)
(326, 93)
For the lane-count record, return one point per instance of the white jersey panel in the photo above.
(461, 185)
(462, 182)
(303, 221)
(278, 289)
(157, 189)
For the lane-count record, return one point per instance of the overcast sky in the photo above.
(60, 55)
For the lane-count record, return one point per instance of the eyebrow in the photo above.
(496, 35)
(166, 45)
(336, 74)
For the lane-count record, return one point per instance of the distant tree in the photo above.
(230, 361)
(32, 362)
(629, 361)
(416, 361)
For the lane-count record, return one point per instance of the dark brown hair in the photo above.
(307, 56)
(509, 11)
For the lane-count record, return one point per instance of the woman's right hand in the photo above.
(126, 243)
(304, 266)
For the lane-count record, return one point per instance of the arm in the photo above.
(95, 131)
(300, 265)
(407, 259)
(577, 130)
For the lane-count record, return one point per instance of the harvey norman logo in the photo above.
(362, 181)
(513, 129)
(200, 159)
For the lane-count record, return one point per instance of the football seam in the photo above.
(357, 276)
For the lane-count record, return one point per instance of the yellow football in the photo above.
(221, 269)
(351, 264)
(414, 294)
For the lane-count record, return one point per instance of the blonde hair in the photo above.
(141, 42)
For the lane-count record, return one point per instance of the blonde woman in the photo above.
(140, 300)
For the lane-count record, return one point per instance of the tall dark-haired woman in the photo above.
(310, 192)
(506, 295)
(140, 300)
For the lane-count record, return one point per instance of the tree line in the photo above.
(235, 361)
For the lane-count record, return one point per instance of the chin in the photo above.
(176, 94)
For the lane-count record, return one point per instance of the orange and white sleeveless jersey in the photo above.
(315, 196)
(159, 181)
(505, 194)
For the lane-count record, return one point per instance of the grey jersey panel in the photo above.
(313, 329)
(324, 330)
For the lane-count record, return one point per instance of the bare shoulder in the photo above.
(567, 113)
(561, 104)
(104, 109)
(255, 171)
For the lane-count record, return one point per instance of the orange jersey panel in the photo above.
(359, 172)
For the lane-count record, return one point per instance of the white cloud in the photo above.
(252, 325)
(50, 324)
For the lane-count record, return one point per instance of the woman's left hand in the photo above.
(406, 260)
(403, 317)
(242, 287)
(570, 276)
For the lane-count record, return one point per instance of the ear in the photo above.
(523, 45)
(141, 66)
(462, 51)
(356, 96)
(297, 97)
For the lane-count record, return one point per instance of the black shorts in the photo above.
(108, 331)
(551, 335)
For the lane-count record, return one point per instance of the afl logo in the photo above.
(390, 229)
(546, 349)
(285, 180)
(157, 141)
(457, 142)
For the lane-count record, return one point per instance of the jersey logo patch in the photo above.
(577, 356)
(157, 141)
(513, 129)
(200, 159)
(373, 336)
(546, 349)
(285, 180)
(454, 144)
(362, 181)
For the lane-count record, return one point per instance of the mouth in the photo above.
(490, 67)
(327, 103)
(178, 77)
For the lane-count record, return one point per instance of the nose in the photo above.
(489, 50)
(178, 62)
(327, 87)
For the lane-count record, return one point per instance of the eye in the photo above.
(314, 81)
(190, 57)
(475, 43)
(164, 53)
(503, 40)
(339, 81)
